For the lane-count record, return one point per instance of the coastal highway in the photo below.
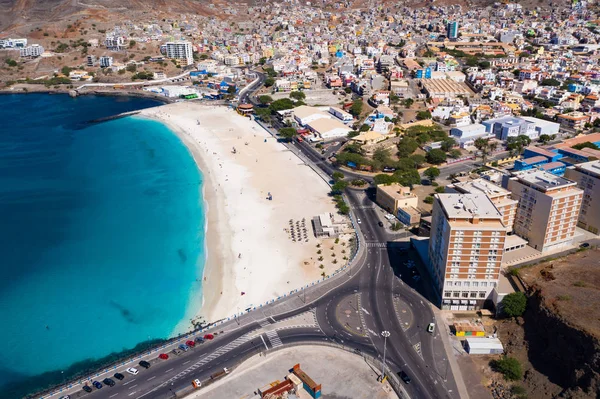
(375, 275)
(378, 275)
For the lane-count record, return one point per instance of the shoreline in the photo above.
(112, 93)
(251, 255)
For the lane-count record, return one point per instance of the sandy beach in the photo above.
(252, 256)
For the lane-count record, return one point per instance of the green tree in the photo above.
(455, 153)
(436, 156)
(418, 159)
(10, 62)
(514, 304)
(544, 138)
(356, 108)
(338, 187)
(337, 176)
(298, 95)
(382, 155)
(269, 82)
(431, 173)
(282, 104)
(440, 189)
(262, 61)
(408, 102)
(428, 200)
(406, 147)
(384, 179)
(550, 82)
(587, 144)
(483, 146)
(509, 367)
(131, 43)
(447, 144)
(265, 99)
(353, 133)
(408, 177)
(364, 128)
(484, 64)
(131, 68)
(516, 145)
(422, 115)
(287, 133)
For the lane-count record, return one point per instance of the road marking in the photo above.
(274, 339)
(151, 378)
(263, 340)
(113, 395)
(132, 393)
(168, 370)
(133, 386)
(186, 362)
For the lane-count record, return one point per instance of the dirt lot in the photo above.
(556, 341)
(571, 288)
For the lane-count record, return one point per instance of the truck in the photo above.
(220, 374)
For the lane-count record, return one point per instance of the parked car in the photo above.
(97, 385)
(109, 382)
(584, 245)
(200, 340)
(65, 397)
(208, 336)
(190, 343)
(196, 384)
(144, 364)
(184, 347)
(132, 370)
(163, 356)
(380, 223)
(119, 376)
(404, 377)
(87, 388)
(431, 328)
(176, 352)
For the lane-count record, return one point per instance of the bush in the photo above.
(439, 189)
(513, 305)
(428, 199)
(509, 367)
(518, 391)
(358, 182)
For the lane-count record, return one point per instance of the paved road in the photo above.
(376, 274)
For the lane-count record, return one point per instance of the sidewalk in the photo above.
(450, 352)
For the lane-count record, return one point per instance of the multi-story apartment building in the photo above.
(395, 196)
(548, 208)
(465, 249)
(501, 198)
(573, 120)
(35, 50)
(587, 177)
(106, 61)
(181, 50)
(114, 42)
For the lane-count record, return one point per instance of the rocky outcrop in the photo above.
(568, 356)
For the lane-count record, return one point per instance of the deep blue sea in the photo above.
(101, 233)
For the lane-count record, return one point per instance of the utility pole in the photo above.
(385, 334)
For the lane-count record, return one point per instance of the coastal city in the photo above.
(399, 198)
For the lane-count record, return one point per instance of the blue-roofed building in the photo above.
(556, 168)
(532, 151)
(530, 163)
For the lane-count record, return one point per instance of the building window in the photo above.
(465, 294)
(482, 294)
(473, 295)
(456, 294)
(447, 294)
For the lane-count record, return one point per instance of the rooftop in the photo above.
(591, 168)
(481, 186)
(460, 206)
(396, 190)
(542, 180)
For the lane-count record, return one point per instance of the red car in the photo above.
(208, 336)
(190, 343)
(163, 356)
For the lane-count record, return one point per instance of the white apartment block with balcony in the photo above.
(587, 177)
(548, 209)
(465, 249)
(181, 50)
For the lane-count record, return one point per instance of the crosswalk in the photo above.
(274, 339)
(220, 351)
(371, 244)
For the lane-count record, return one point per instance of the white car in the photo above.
(431, 328)
(132, 370)
(358, 220)
(196, 384)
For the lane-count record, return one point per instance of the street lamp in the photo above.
(385, 334)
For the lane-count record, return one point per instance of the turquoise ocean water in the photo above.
(101, 234)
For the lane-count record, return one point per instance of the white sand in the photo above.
(248, 249)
